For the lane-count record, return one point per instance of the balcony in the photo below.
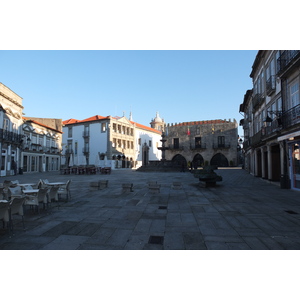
(291, 117)
(175, 147)
(246, 144)
(198, 147)
(86, 134)
(258, 100)
(10, 137)
(221, 146)
(256, 138)
(287, 59)
(86, 150)
(271, 85)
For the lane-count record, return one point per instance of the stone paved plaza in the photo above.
(241, 212)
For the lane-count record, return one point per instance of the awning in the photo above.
(288, 136)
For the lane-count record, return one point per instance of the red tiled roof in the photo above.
(70, 121)
(145, 127)
(94, 118)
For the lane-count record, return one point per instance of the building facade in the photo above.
(271, 120)
(115, 142)
(41, 147)
(11, 112)
(212, 142)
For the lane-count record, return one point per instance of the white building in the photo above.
(114, 142)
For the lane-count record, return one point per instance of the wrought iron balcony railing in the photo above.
(86, 134)
(86, 149)
(10, 137)
(258, 99)
(198, 147)
(175, 147)
(291, 117)
(221, 146)
(286, 59)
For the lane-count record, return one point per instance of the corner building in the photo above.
(271, 120)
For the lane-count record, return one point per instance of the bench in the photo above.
(154, 186)
(176, 186)
(101, 184)
(127, 187)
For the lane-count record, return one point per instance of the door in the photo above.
(3, 162)
(295, 174)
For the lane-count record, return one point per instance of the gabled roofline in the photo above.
(40, 124)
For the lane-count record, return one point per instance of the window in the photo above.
(294, 94)
(221, 141)
(197, 142)
(103, 127)
(198, 131)
(6, 124)
(176, 143)
(140, 141)
(70, 134)
(76, 148)
(150, 143)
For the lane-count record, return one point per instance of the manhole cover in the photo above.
(162, 207)
(291, 212)
(155, 239)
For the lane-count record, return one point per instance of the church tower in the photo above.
(158, 123)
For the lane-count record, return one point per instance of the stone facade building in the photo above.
(271, 120)
(212, 142)
(11, 112)
(26, 144)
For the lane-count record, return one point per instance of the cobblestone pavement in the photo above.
(241, 212)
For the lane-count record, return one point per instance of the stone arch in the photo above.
(178, 160)
(198, 160)
(219, 160)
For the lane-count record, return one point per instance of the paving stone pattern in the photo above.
(241, 213)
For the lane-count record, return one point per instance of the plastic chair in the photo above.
(53, 194)
(4, 213)
(35, 200)
(16, 208)
(65, 190)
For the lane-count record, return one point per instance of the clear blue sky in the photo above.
(182, 85)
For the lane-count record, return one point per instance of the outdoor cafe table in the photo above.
(32, 191)
(25, 184)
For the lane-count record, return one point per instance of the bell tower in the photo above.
(158, 123)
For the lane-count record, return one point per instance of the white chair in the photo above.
(4, 213)
(65, 190)
(15, 192)
(16, 208)
(53, 194)
(39, 197)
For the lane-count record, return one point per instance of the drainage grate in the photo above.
(156, 239)
(291, 212)
(162, 207)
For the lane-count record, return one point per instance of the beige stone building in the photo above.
(212, 142)
(11, 111)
